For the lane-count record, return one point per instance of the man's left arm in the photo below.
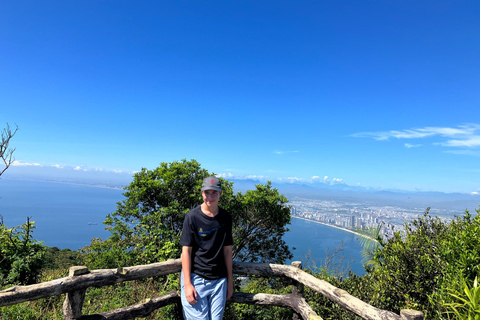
(227, 253)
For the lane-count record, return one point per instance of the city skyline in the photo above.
(375, 94)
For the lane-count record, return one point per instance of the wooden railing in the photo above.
(80, 279)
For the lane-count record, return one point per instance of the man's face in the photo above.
(210, 197)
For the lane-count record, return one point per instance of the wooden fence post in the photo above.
(408, 314)
(297, 288)
(72, 306)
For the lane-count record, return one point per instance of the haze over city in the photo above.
(375, 94)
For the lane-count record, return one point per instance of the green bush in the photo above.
(467, 303)
(56, 258)
(21, 256)
(420, 266)
(459, 251)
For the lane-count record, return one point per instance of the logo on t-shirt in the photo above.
(202, 233)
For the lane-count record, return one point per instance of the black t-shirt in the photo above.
(207, 236)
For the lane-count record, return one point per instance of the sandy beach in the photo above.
(334, 226)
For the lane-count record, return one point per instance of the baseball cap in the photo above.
(211, 183)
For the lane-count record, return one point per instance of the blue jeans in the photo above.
(212, 295)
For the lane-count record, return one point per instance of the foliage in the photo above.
(23, 311)
(21, 257)
(259, 218)
(409, 266)
(355, 285)
(467, 304)
(237, 311)
(56, 258)
(459, 250)
(370, 240)
(420, 267)
(146, 226)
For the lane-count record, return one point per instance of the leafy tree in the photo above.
(147, 224)
(260, 217)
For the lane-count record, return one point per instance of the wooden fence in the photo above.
(80, 279)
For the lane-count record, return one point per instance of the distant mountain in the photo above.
(70, 175)
(346, 193)
(319, 191)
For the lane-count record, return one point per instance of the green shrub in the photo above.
(21, 256)
(467, 303)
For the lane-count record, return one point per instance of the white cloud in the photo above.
(464, 136)
(313, 179)
(255, 177)
(471, 142)
(225, 175)
(291, 179)
(475, 193)
(117, 171)
(386, 135)
(57, 166)
(468, 152)
(79, 168)
(408, 145)
(284, 152)
(25, 164)
(252, 177)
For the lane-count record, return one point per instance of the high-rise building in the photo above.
(352, 221)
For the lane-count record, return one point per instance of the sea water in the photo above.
(70, 216)
(65, 215)
(317, 246)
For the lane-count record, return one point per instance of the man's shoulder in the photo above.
(195, 210)
(193, 213)
(225, 213)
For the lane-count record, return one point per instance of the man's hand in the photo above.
(191, 294)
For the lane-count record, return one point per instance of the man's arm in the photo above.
(227, 253)
(190, 292)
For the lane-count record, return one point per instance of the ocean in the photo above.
(70, 215)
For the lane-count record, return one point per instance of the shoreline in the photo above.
(65, 182)
(334, 226)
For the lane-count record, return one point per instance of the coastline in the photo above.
(334, 226)
(66, 182)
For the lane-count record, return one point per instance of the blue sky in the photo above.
(381, 94)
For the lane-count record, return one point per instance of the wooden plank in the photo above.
(95, 278)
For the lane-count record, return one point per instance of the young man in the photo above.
(207, 280)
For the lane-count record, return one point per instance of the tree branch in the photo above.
(6, 154)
